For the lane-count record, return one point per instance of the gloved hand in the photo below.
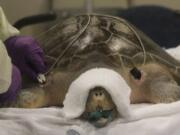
(10, 95)
(26, 55)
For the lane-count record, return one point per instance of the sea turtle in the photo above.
(84, 42)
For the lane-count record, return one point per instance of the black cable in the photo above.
(35, 19)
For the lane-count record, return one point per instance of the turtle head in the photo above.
(100, 108)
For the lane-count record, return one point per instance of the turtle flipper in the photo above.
(32, 98)
(164, 92)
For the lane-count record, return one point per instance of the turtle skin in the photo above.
(87, 41)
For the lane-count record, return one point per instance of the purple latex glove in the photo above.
(26, 55)
(11, 94)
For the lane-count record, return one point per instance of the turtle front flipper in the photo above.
(164, 91)
(32, 98)
(52, 93)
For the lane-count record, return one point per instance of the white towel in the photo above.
(75, 100)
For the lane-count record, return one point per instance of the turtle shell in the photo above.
(85, 39)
